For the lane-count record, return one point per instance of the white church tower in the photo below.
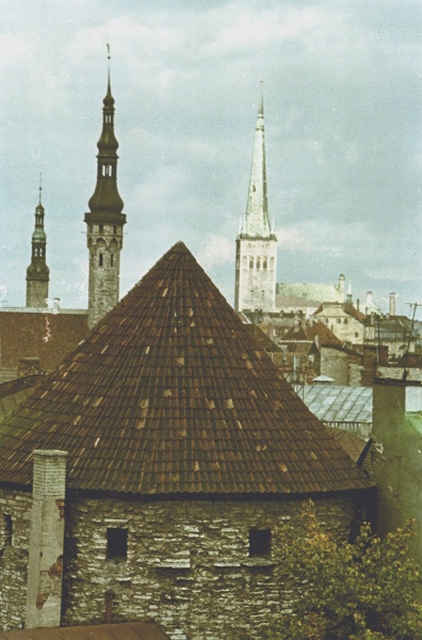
(256, 244)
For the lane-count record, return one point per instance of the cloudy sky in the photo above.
(342, 92)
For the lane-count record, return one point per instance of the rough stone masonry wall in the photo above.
(15, 509)
(188, 564)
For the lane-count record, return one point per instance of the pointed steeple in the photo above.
(256, 244)
(105, 220)
(38, 274)
(257, 221)
(106, 198)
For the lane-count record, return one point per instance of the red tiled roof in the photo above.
(309, 330)
(347, 307)
(171, 394)
(45, 335)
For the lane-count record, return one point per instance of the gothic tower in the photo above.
(38, 274)
(256, 244)
(105, 222)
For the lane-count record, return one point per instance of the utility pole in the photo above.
(415, 306)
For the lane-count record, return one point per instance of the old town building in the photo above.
(42, 331)
(166, 455)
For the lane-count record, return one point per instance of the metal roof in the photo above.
(334, 403)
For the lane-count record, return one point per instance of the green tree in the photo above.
(360, 591)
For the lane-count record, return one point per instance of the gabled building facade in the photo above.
(169, 454)
(346, 322)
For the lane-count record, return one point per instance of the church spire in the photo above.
(257, 222)
(106, 198)
(38, 274)
(256, 244)
(105, 219)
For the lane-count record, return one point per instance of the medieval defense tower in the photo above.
(105, 222)
(38, 274)
(256, 244)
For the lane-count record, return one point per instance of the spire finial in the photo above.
(108, 63)
(40, 190)
(261, 106)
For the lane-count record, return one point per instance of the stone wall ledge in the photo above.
(257, 563)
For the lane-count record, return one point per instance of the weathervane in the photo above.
(40, 189)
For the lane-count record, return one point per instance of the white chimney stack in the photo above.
(45, 562)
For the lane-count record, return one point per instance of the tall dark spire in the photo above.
(106, 202)
(38, 274)
(105, 219)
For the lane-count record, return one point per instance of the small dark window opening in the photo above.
(100, 259)
(114, 229)
(8, 530)
(112, 259)
(117, 543)
(259, 542)
(101, 228)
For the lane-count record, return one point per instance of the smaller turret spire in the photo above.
(38, 274)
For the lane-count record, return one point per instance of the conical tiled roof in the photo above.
(171, 394)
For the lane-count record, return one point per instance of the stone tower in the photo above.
(256, 244)
(105, 222)
(38, 274)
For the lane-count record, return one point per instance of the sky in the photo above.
(343, 130)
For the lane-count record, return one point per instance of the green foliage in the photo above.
(361, 591)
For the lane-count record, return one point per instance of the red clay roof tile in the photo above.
(172, 394)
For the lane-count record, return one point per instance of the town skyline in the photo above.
(341, 98)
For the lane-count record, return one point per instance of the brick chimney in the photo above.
(45, 563)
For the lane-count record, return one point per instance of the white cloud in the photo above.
(15, 48)
(316, 237)
(215, 251)
(129, 35)
(398, 274)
